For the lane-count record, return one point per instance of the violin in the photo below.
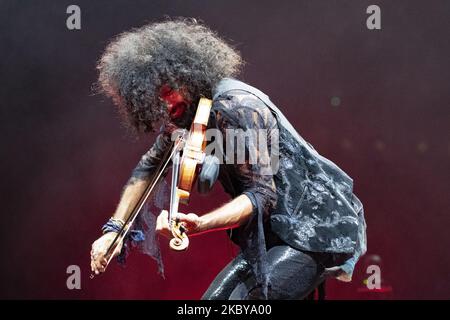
(187, 153)
(185, 171)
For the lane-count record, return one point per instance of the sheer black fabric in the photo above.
(307, 205)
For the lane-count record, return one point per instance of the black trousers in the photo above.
(293, 275)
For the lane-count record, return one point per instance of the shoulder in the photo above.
(241, 108)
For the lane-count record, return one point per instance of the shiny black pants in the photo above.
(293, 275)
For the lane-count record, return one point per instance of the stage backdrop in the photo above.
(376, 102)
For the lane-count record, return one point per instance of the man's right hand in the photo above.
(100, 246)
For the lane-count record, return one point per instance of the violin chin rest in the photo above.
(208, 174)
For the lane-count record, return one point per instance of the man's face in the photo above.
(175, 101)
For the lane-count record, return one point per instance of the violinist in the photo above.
(296, 223)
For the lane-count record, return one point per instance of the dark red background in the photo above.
(65, 156)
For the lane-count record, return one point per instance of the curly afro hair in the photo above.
(179, 53)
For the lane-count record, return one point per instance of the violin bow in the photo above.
(139, 205)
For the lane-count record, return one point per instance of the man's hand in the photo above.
(191, 222)
(231, 215)
(98, 252)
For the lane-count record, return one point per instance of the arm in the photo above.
(140, 177)
(231, 215)
(131, 194)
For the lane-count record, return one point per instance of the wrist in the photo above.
(203, 224)
(113, 225)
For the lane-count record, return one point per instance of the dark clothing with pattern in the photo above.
(310, 200)
(307, 204)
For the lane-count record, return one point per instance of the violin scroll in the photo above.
(180, 240)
